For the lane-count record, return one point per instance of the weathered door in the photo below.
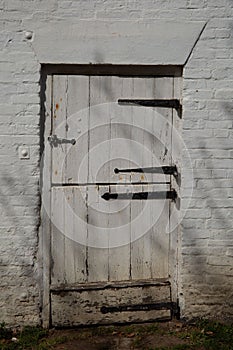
(109, 215)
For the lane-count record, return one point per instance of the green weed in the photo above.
(28, 338)
(204, 335)
(4, 332)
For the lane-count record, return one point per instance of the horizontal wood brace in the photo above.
(56, 289)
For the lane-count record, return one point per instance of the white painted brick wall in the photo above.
(206, 272)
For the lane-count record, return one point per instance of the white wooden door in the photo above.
(110, 240)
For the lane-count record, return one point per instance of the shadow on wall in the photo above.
(215, 270)
(20, 210)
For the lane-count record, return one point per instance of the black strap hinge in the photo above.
(141, 195)
(165, 169)
(139, 307)
(163, 103)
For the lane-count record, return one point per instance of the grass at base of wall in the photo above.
(202, 335)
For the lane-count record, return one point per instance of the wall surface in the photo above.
(205, 269)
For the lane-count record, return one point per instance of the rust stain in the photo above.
(57, 106)
(55, 172)
(120, 178)
(142, 177)
(55, 116)
(68, 198)
(60, 99)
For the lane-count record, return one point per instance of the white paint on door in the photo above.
(103, 241)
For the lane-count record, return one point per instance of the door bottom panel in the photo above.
(111, 304)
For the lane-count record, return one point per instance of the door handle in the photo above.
(167, 170)
(55, 141)
(141, 195)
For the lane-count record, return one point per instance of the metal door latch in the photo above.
(55, 141)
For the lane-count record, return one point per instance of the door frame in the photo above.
(47, 72)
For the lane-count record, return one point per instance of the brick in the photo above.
(223, 33)
(223, 124)
(211, 183)
(223, 53)
(219, 223)
(221, 133)
(224, 94)
(194, 73)
(219, 214)
(26, 98)
(197, 4)
(219, 203)
(229, 252)
(198, 214)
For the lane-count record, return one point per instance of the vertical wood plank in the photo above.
(120, 156)
(57, 236)
(59, 127)
(76, 233)
(121, 131)
(174, 250)
(69, 239)
(119, 241)
(140, 256)
(80, 228)
(44, 232)
(140, 247)
(98, 168)
(76, 170)
(99, 129)
(97, 241)
(69, 234)
(159, 237)
(150, 251)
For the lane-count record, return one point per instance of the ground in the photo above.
(154, 336)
